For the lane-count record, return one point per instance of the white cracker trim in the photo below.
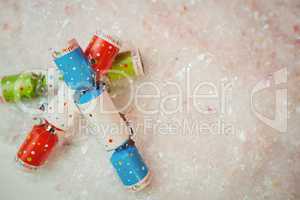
(21, 163)
(111, 39)
(72, 45)
(1, 97)
(137, 63)
(142, 184)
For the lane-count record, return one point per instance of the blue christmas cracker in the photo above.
(79, 76)
(76, 70)
(129, 165)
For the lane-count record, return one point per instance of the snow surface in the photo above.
(226, 47)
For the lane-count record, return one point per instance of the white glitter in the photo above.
(242, 136)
